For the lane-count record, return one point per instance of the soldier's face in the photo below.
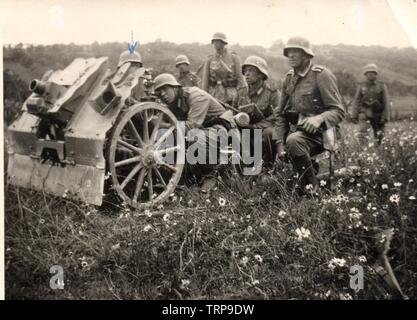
(296, 57)
(167, 94)
(183, 67)
(252, 74)
(218, 44)
(371, 76)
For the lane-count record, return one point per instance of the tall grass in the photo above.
(250, 238)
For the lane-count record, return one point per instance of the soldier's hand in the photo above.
(312, 124)
(281, 153)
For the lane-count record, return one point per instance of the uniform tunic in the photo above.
(188, 79)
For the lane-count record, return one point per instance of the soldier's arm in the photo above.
(199, 105)
(206, 76)
(387, 107)
(282, 126)
(355, 104)
(331, 98)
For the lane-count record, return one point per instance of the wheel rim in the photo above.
(145, 178)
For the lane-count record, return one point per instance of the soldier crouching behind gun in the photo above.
(222, 75)
(310, 103)
(198, 110)
(371, 104)
(259, 101)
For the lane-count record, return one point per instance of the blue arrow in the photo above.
(132, 46)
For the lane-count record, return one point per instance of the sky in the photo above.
(247, 22)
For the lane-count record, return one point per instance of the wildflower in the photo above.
(397, 184)
(412, 198)
(384, 186)
(411, 180)
(336, 262)
(65, 193)
(395, 198)
(352, 180)
(322, 183)
(263, 224)
(166, 217)
(346, 296)
(245, 260)
(41, 221)
(235, 254)
(302, 233)
(222, 201)
(148, 213)
(282, 213)
(309, 187)
(208, 201)
(185, 283)
(84, 264)
(147, 228)
(362, 259)
(255, 282)
(258, 258)
(115, 247)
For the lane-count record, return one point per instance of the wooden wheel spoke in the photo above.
(167, 165)
(156, 127)
(132, 173)
(158, 173)
(145, 127)
(127, 161)
(150, 186)
(163, 137)
(135, 133)
(170, 149)
(129, 146)
(139, 184)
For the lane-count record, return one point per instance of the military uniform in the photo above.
(188, 79)
(222, 76)
(266, 100)
(313, 92)
(371, 104)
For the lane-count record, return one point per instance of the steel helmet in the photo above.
(182, 58)
(219, 36)
(126, 56)
(299, 43)
(371, 67)
(257, 62)
(165, 79)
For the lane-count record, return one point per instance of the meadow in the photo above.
(249, 238)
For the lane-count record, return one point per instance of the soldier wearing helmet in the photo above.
(222, 75)
(198, 110)
(260, 101)
(371, 104)
(185, 77)
(310, 104)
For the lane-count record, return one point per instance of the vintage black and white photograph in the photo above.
(209, 150)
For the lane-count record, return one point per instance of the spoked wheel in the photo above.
(146, 154)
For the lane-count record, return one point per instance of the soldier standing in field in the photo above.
(260, 102)
(371, 105)
(310, 104)
(185, 77)
(222, 75)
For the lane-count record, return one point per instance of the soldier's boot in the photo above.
(306, 172)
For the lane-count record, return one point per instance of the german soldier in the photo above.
(371, 105)
(309, 105)
(222, 74)
(198, 110)
(185, 77)
(260, 101)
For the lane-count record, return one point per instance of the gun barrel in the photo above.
(37, 86)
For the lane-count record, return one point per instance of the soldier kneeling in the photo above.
(199, 112)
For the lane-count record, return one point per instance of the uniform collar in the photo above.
(303, 74)
(257, 90)
(218, 55)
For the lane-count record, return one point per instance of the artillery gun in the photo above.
(74, 131)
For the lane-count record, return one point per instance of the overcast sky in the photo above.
(249, 22)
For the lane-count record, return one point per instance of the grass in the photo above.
(239, 242)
